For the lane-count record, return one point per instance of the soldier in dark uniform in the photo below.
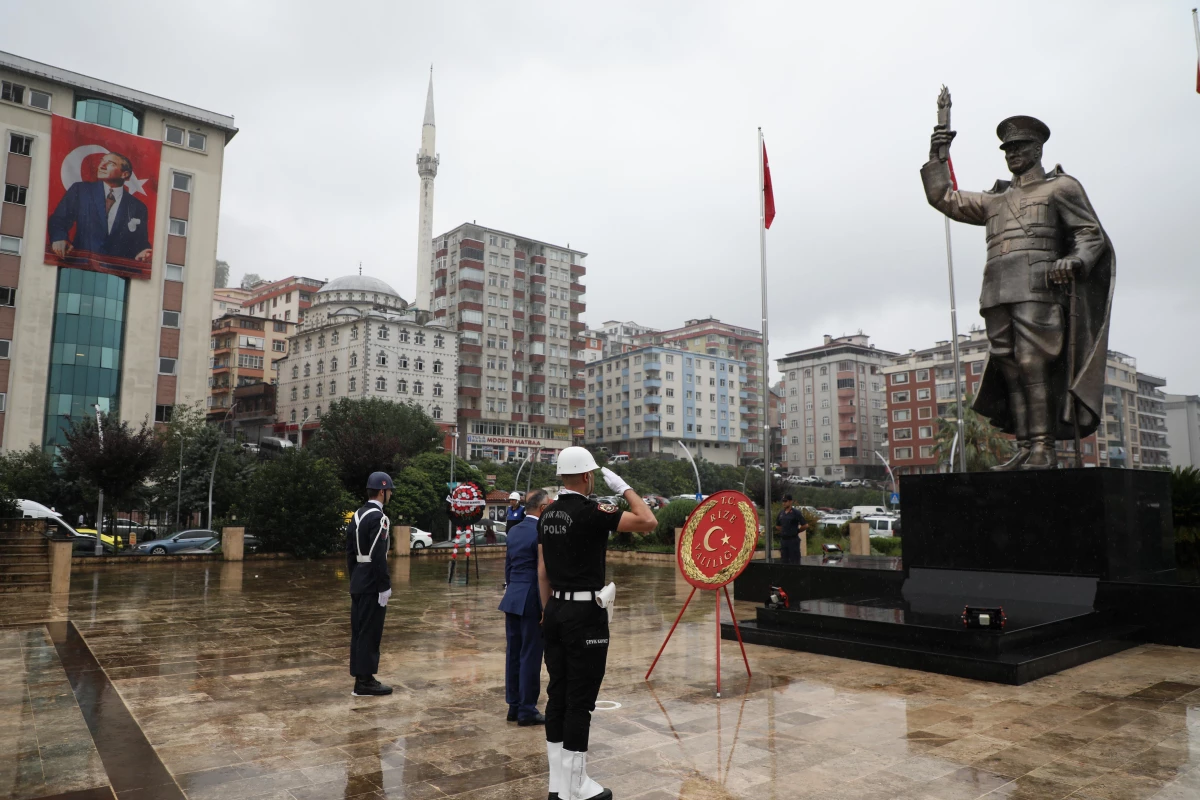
(1041, 233)
(370, 584)
(572, 541)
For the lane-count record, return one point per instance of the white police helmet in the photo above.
(514, 496)
(576, 461)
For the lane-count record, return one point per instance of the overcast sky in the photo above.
(628, 130)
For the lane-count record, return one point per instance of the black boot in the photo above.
(1041, 419)
(1020, 419)
(367, 686)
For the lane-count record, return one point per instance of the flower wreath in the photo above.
(466, 503)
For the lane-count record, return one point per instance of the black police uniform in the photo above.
(573, 533)
(367, 579)
(789, 523)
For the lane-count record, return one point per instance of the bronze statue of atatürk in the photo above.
(1047, 291)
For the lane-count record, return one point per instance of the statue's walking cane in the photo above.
(1072, 401)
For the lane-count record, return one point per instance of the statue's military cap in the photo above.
(1022, 129)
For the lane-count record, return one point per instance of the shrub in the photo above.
(671, 516)
(886, 546)
(296, 505)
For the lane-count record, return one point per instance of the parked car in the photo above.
(250, 544)
(498, 525)
(82, 543)
(619, 458)
(477, 540)
(833, 520)
(419, 539)
(174, 543)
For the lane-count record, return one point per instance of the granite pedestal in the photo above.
(1038, 544)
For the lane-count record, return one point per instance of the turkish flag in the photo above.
(768, 193)
(953, 178)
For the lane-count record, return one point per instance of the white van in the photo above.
(619, 458)
(883, 526)
(34, 510)
(867, 511)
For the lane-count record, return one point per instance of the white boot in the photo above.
(554, 757)
(578, 785)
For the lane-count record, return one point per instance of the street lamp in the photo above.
(179, 480)
(453, 458)
(217, 454)
(99, 551)
(300, 432)
(887, 465)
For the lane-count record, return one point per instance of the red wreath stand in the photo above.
(717, 542)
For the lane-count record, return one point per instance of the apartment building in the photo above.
(228, 300)
(517, 304)
(594, 345)
(93, 313)
(1183, 429)
(715, 338)
(644, 401)
(245, 350)
(361, 339)
(836, 405)
(1152, 421)
(285, 299)
(622, 337)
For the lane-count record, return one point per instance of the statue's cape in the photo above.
(1093, 306)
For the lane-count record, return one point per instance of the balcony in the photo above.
(624, 404)
(652, 418)
(578, 269)
(744, 426)
(744, 395)
(469, 413)
(469, 391)
(578, 308)
(742, 378)
(743, 410)
(652, 366)
(652, 399)
(652, 383)
(469, 284)
(652, 432)
(469, 369)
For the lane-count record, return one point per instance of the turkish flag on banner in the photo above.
(768, 193)
(953, 178)
(103, 198)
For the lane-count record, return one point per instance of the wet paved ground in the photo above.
(236, 676)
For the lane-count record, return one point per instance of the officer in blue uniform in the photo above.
(370, 584)
(522, 607)
(515, 511)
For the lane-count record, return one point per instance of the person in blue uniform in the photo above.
(515, 511)
(573, 536)
(370, 584)
(522, 607)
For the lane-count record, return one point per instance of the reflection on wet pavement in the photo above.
(237, 676)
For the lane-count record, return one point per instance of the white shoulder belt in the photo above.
(359, 516)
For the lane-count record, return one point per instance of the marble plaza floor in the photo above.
(227, 681)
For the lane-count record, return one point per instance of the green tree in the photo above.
(416, 500)
(120, 465)
(296, 505)
(361, 436)
(671, 516)
(189, 430)
(30, 475)
(249, 279)
(8, 500)
(984, 444)
(221, 275)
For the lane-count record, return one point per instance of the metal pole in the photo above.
(217, 454)
(766, 365)
(958, 387)
(100, 504)
(695, 469)
(453, 458)
(179, 482)
(1072, 401)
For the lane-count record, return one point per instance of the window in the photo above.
(925, 432)
(10, 244)
(353, 385)
(252, 362)
(21, 145)
(12, 92)
(900, 397)
(333, 338)
(845, 383)
(419, 364)
(14, 194)
(175, 136)
(353, 360)
(976, 367)
(381, 384)
(295, 372)
(307, 370)
(163, 413)
(279, 346)
(174, 272)
(354, 333)
(8, 296)
(383, 331)
(381, 359)
(39, 99)
(418, 388)
(922, 394)
(170, 319)
(901, 415)
(181, 182)
(5, 347)
(178, 227)
(902, 433)
(196, 141)
(902, 377)
(439, 340)
(437, 367)
(166, 366)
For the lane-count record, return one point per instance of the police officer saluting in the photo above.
(370, 585)
(572, 542)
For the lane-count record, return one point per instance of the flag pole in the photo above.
(1196, 26)
(958, 387)
(766, 370)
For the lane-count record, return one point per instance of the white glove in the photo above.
(615, 482)
(606, 598)
(383, 598)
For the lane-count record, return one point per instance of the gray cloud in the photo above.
(628, 130)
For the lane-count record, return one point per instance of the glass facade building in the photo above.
(109, 114)
(85, 354)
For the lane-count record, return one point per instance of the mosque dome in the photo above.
(358, 283)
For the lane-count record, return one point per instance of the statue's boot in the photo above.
(1041, 453)
(1020, 416)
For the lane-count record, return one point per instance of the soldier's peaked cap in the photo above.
(1022, 129)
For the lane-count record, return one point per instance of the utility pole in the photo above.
(100, 505)
(179, 482)
(217, 454)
